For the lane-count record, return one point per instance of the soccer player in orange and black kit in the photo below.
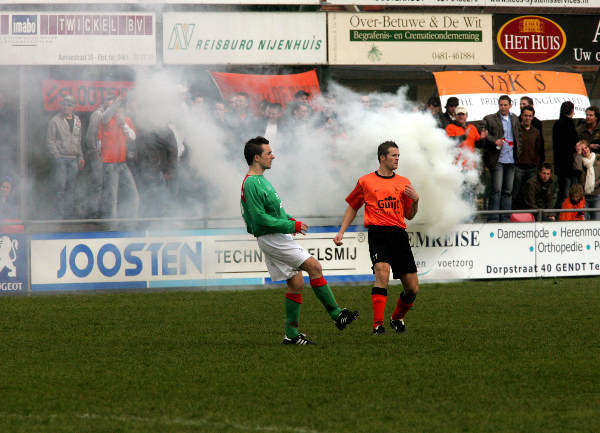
(388, 199)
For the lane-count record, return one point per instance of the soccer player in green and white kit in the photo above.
(266, 219)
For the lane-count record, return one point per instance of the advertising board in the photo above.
(244, 38)
(479, 91)
(13, 263)
(76, 38)
(410, 39)
(231, 257)
(475, 3)
(547, 39)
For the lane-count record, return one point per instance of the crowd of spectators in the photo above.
(128, 168)
(513, 152)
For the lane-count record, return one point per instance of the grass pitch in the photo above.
(501, 356)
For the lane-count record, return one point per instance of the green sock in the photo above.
(326, 297)
(292, 314)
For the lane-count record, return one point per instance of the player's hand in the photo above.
(303, 228)
(411, 192)
(338, 239)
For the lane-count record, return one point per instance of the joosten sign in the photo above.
(113, 260)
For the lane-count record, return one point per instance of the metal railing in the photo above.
(234, 221)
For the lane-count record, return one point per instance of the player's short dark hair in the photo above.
(384, 148)
(253, 147)
(528, 99)
(546, 165)
(528, 108)
(506, 98)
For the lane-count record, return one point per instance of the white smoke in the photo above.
(313, 172)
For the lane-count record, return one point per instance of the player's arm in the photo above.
(355, 200)
(411, 193)
(349, 216)
(302, 228)
(257, 213)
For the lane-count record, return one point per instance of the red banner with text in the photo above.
(88, 94)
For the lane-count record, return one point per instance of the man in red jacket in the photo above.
(113, 134)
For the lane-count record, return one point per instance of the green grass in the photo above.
(501, 356)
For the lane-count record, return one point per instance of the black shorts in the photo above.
(390, 245)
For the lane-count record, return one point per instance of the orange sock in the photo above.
(378, 299)
(405, 303)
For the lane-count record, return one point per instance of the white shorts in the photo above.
(283, 255)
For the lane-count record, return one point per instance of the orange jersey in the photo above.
(572, 216)
(384, 199)
(469, 135)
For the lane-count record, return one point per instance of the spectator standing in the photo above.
(564, 138)
(468, 139)
(537, 192)
(448, 116)
(468, 136)
(526, 101)
(219, 113)
(434, 106)
(302, 96)
(64, 144)
(156, 170)
(114, 135)
(588, 164)
(92, 153)
(590, 129)
(9, 149)
(574, 201)
(239, 119)
(499, 155)
(8, 203)
(531, 151)
(271, 123)
(301, 113)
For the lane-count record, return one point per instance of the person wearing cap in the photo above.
(468, 136)
(499, 155)
(468, 139)
(445, 118)
(63, 140)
